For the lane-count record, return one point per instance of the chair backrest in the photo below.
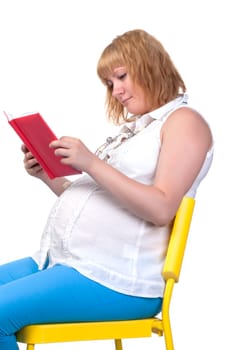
(178, 239)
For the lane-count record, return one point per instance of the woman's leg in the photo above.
(8, 273)
(61, 294)
(17, 269)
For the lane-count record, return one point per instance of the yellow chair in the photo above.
(118, 330)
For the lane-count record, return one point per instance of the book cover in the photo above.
(37, 135)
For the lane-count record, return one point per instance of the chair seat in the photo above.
(63, 332)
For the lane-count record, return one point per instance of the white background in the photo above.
(48, 55)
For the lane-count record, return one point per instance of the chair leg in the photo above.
(118, 344)
(165, 315)
(168, 337)
(30, 347)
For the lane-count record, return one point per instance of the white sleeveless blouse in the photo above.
(90, 231)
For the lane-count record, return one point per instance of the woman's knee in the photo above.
(17, 269)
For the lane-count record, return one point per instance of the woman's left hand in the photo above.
(73, 152)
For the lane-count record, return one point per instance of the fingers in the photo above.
(32, 167)
(24, 149)
(29, 161)
(26, 152)
(72, 151)
(63, 142)
(28, 156)
(31, 164)
(66, 146)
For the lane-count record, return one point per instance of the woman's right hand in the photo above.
(33, 168)
(31, 165)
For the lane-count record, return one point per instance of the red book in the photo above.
(37, 135)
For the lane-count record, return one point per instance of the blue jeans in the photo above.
(59, 294)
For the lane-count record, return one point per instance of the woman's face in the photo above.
(130, 95)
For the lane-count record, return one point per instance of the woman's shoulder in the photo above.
(186, 115)
(188, 112)
(185, 120)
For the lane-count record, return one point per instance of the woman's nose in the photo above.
(118, 90)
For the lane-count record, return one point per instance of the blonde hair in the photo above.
(149, 66)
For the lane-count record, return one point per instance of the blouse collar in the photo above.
(143, 121)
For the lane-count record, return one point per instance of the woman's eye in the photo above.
(122, 76)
